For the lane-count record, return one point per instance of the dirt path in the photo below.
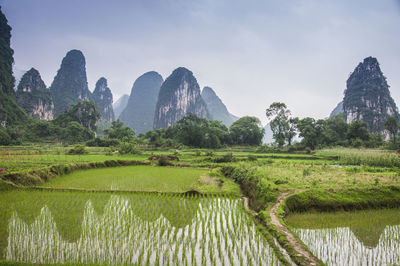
(310, 259)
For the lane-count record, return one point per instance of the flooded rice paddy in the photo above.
(370, 237)
(120, 228)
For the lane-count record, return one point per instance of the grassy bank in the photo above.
(146, 179)
(348, 199)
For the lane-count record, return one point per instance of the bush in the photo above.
(78, 149)
(128, 148)
(5, 139)
(227, 158)
(163, 160)
(101, 142)
(252, 158)
(209, 153)
(306, 172)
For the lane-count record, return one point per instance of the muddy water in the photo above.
(370, 237)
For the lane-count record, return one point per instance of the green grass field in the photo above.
(259, 176)
(145, 179)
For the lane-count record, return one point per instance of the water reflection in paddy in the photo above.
(370, 237)
(153, 229)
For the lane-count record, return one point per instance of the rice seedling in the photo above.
(369, 237)
(179, 230)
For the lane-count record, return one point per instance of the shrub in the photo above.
(306, 172)
(78, 149)
(5, 139)
(163, 160)
(227, 158)
(252, 158)
(128, 148)
(209, 153)
(101, 142)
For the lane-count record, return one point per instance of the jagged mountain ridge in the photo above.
(33, 96)
(103, 97)
(70, 84)
(10, 112)
(216, 108)
(179, 96)
(367, 97)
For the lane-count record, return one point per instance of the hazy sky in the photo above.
(251, 52)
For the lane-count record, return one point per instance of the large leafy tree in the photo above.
(392, 125)
(358, 130)
(247, 131)
(334, 131)
(198, 132)
(85, 113)
(120, 132)
(311, 131)
(282, 126)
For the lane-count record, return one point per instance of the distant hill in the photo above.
(338, 109)
(33, 96)
(139, 111)
(179, 96)
(120, 105)
(10, 112)
(367, 97)
(216, 108)
(70, 84)
(103, 97)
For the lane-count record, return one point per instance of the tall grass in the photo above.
(367, 157)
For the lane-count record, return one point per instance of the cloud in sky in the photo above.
(251, 52)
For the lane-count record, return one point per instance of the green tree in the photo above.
(392, 125)
(334, 131)
(358, 130)
(191, 131)
(311, 131)
(118, 131)
(85, 113)
(246, 131)
(282, 130)
(75, 132)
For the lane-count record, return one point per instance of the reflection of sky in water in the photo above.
(219, 230)
(341, 246)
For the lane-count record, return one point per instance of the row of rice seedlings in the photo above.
(339, 246)
(220, 233)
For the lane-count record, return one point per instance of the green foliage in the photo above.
(128, 148)
(247, 131)
(4, 137)
(118, 131)
(75, 132)
(358, 130)
(198, 132)
(78, 149)
(282, 126)
(70, 86)
(323, 200)
(102, 142)
(10, 112)
(85, 113)
(163, 160)
(259, 190)
(392, 125)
